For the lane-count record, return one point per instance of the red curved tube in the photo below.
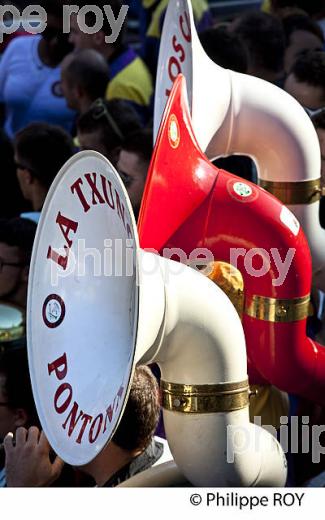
(188, 203)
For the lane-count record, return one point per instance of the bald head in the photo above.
(84, 77)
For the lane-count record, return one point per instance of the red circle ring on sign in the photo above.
(237, 196)
(59, 300)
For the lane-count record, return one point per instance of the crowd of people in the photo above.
(62, 93)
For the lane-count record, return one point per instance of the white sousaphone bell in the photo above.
(98, 305)
(236, 113)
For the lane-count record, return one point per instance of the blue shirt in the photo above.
(30, 90)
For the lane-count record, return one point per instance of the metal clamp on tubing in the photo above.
(292, 193)
(223, 397)
(275, 310)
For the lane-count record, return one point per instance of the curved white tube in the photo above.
(235, 113)
(203, 344)
(269, 125)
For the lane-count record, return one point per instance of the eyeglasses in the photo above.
(12, 264)
(99, 110)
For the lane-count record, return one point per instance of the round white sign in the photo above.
(83, 307)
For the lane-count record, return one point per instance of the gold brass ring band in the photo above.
(277, 311)
(290, 193)
(12, 334)
(225, 397)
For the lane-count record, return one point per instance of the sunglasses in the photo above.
(99, 110)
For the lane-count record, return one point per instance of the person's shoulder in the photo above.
(21, 43)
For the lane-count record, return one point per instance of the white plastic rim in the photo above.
(175, 55)
(82, 309)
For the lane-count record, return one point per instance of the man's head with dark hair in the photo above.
(263, 36)
(105, 126)
(55, 43)
(53, 7)
(84, 78)
(12, 201)
(20, 233)
(16, 244)
(16, 397)
(134, 436)
(141, 414)
(133, 165)
(40, 152)
(224, 48)
(81, 40)
(302, 34)
(306, 81)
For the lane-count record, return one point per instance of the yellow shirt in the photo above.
(132, 83)
(154, 30)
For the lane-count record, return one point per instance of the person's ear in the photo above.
(20, 417)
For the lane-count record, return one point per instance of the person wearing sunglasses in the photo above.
(105, 126)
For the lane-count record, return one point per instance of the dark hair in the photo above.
(300, 22)
(224, 48)
(310, 68)
(114, 120)
(141, 414)
(17, 384)
(18, 232)
(319, 120)
(12, 201)
(107, 29)
(52, 7)
(43, 149)
(88, 69)
(263, 35)
(140, 143)
(311, 7)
